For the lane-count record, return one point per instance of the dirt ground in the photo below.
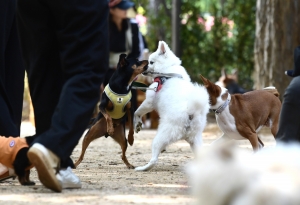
(106, 180)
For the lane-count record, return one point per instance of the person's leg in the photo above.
(15, 75)
(289, 123)
(81, 31)
(40, 51)
(7, 125)
(11, 72)
(42, 61)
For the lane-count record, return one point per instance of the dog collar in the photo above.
(160, 81)
(160, 78)
(220, 109)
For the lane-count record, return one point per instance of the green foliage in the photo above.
(207, 52)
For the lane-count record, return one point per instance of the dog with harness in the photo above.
(115, 106)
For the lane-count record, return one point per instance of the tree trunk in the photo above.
(176, 4)
(153, 10)
(277, 35)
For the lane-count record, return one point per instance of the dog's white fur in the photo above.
(229, 127)
(226, 174)
(177, 102)
(227, 122)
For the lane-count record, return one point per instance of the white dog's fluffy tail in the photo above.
(198, 101)
(182, 106)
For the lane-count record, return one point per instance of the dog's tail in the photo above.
(272, 90)
(198, 101)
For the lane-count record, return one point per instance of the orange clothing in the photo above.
(9, 147)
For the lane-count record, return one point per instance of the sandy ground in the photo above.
(106, 180)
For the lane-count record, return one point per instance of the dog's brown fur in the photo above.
(250, 110)
(107, 126)
(100, 129)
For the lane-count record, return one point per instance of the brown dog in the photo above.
(115, 105)
(241, 116)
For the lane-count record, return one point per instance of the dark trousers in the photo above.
(65, 49)
(289, 123)
(11, 71)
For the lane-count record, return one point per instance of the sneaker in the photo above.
(46, 164)
(68, 179)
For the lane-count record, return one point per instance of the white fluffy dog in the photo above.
(182, 105)
(228, 175)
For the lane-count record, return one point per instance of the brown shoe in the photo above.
(47, 166)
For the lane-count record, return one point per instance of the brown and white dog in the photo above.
(241, 116)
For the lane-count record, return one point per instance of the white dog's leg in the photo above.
(159, 143)
(222, 139)
(196, 142)
(144, 108)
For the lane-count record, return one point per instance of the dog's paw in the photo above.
(29, 183)
(130, 138)
(129, 166)
(140, 169)
(25, 182)
(137, 123)
(144, 168)
(138, 127)
(110, 131)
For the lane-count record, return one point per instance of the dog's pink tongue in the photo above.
(135, 78)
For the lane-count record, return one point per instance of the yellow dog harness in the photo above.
(119, 101)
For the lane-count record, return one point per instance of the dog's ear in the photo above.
(212, 89)
(206, 82)
(234, 71)
(223, 72)
(210, 85)
(122, 60)
(162, 47)
(234, 74)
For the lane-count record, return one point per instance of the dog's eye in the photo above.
(151, 62)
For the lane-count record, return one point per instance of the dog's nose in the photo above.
(146, 67)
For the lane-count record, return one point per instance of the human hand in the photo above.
(112, 3)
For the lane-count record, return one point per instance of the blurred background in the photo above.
(253, 38)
